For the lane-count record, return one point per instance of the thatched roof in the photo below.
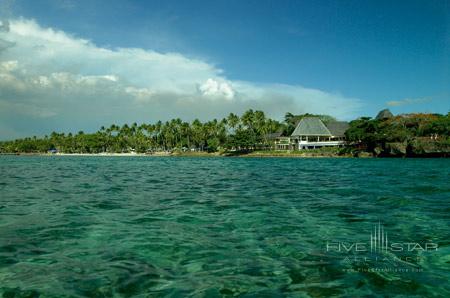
(274, 135)
(311, 126)
(337, 128)
(384, 114)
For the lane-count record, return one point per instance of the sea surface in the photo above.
(223, 227)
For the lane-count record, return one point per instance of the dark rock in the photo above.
(362, 154)
(423, 147)
(397, 148)
(384, 114)
(378, 150)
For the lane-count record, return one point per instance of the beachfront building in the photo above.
(312, 133)
(283, 143)
(270, 140)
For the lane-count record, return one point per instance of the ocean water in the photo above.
(223, 227)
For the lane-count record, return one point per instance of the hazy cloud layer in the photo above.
(50, 80)
(408, 101)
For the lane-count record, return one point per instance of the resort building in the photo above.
(312, 133)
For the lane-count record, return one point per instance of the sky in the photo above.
(69, 65)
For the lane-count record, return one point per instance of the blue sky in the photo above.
(345, 58)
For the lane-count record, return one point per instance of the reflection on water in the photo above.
(212, 227)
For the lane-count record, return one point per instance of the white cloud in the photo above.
(214, 88)
(57, 80)
(8, 66)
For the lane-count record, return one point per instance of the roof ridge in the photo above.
(312, 126)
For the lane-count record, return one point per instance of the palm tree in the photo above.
(157, 133)
(248, 118)
(288, 118)
(198, 134)
(233, 121)
(186, 132)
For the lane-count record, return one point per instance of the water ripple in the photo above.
(213, 227)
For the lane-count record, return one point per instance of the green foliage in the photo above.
(440, 125)
(242, 140)
(411, 130)
(233, 132)
(246, 133)
(364, 131)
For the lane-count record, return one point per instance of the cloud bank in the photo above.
(50, 80)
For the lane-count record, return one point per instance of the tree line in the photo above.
(245, 132)
(250, 131)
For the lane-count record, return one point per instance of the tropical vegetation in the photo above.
(247, 132)
(409, 134)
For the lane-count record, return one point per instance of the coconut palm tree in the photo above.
(233, 121)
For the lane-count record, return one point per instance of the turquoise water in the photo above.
(213, 227)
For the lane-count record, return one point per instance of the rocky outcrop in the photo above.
(423, 147)
(384, 114)
(362, 154)
(397, 148)
(417, 147)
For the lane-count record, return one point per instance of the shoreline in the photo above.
(196, 154)
(255, 154)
